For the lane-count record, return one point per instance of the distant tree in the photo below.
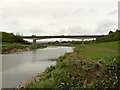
(110, 32)
(10, 37)
(64, 42)
(112, 36)
(57, 41)
(17, 33)
(117, 30)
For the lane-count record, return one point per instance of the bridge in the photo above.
(34, 37)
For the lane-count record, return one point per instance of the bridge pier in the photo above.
(82, 41)
(34, 40)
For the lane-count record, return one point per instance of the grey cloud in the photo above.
(52, 24)
(105, 26)
(74, 30)
(36, 30)
(114, 12)
(85, 11)
(49, 17)
(25, 10)
(10, 24)
(8, 20)
(78, 11)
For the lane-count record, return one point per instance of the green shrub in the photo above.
(115, 36)
(10, 38)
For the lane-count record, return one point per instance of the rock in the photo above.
(34, 78)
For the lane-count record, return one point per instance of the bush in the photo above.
(114, 36)
(10, 38)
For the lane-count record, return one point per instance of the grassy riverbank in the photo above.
(89, 66)
(10, 43)
(18, 47)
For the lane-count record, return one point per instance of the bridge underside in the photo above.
(83, 37)
(63, 37)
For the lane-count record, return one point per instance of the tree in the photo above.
(117, 30)
(110, 32)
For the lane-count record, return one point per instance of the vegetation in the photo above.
(10, 38)
(112, 36)
(18, 47)
(92, 66)
(69, 43)
(11, 43)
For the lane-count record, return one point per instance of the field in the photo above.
(99, 50)
(89, 66)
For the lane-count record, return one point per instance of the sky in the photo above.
(58, 17)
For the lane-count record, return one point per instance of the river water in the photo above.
(21, 66)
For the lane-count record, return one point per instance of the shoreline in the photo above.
(21, 48)
(82, 67)
(34, 79)
(78, 66)
(7, 51)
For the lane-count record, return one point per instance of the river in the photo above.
(20, 66)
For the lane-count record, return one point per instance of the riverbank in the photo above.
(92, 66)
(19, 47)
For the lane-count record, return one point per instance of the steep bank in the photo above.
(91, 66)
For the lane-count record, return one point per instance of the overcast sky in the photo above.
(58, 17)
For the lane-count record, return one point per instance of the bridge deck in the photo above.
(73, 36)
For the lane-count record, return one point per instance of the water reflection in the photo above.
(20, 66)
(33, 55)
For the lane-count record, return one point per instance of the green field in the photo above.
(89, 66)
(99, 50)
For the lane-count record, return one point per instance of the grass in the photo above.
(99, 50)
(107, 45)
(8, 47)
(89, 66)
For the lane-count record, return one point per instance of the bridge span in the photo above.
(34, 37)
